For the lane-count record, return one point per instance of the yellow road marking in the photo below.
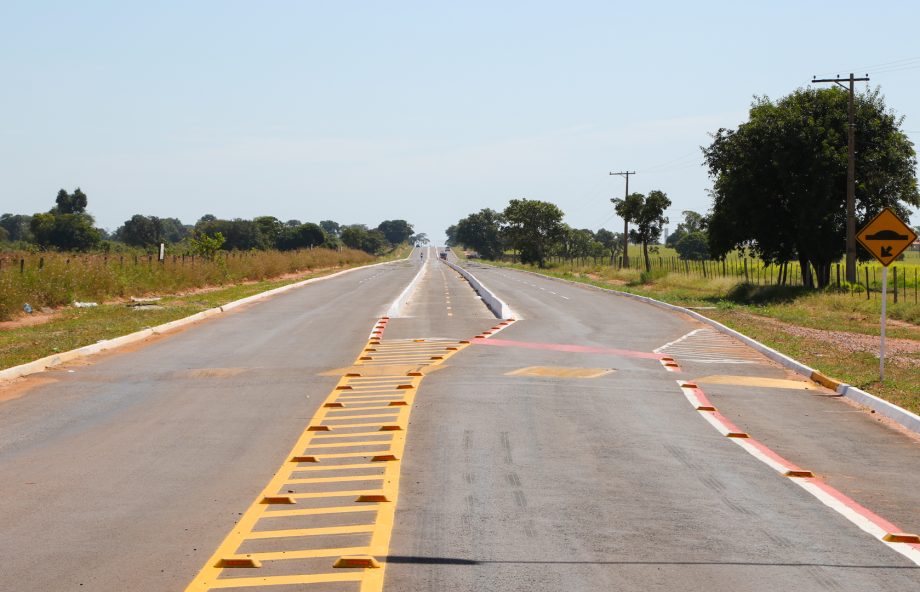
(758, 381)
(336, 479)
(317, 511)
(351, 444)
(371, 386)
(559, 372)
(299, 532)
(283, 580)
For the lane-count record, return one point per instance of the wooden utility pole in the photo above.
(625, 220)
(851, 170)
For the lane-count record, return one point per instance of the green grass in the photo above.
(859, 369)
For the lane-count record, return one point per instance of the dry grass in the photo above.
(56, 279)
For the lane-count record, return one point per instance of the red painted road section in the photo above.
(585, 349)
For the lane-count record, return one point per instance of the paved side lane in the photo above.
(541, 482)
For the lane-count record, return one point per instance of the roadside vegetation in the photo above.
(65, 283)
(51, 280)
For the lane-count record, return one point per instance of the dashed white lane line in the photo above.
(514, 279)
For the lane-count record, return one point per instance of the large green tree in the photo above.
(480, 231)
(531, 227)
(627, 208)
(270, 230)
(66, 226)
(239, 234)
(357, 236)
(70, 203)
(16, 226)
(693, 246)
(301, 237)
(649, 219)
(330, 227)
(692, 222)
(67, 232)
(140, 231)
(779, 180)
(611, 241)
(396, 231)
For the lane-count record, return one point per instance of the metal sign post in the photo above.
(885, 236)
(881, 349)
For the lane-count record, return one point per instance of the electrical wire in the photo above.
(664, 165)
(906, 63)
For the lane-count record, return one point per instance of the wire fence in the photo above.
(903, 277)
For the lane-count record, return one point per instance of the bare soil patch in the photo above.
(905, 352)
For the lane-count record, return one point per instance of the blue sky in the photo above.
(426, 111)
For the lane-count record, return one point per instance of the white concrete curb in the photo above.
(498, 307)
(108, 344)
(395, 309)
(904, 417)
(909, 420)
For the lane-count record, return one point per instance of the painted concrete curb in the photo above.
(498, 307)
(395, 309)
(43, 364)
(902, 416)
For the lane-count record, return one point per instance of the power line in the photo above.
(908, 62)
(667, 163)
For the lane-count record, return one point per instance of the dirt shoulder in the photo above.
(905, 352)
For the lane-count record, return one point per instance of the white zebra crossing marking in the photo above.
(709, 346)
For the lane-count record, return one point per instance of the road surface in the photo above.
(554, 452)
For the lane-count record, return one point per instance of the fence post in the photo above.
(895, 270)
(22, 266)
(867, 283)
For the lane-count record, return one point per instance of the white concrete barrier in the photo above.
(498, 307)
(395, 310)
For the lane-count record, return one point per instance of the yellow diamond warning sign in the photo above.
(886, 236)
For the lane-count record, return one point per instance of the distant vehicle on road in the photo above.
(444, 255)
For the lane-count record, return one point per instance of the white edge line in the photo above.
(828, 500)
(909, 420)
(395, 309)
(42, 364)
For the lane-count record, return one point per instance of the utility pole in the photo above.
(625, 220)
(851, 170)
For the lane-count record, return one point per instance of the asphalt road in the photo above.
(127, 473)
